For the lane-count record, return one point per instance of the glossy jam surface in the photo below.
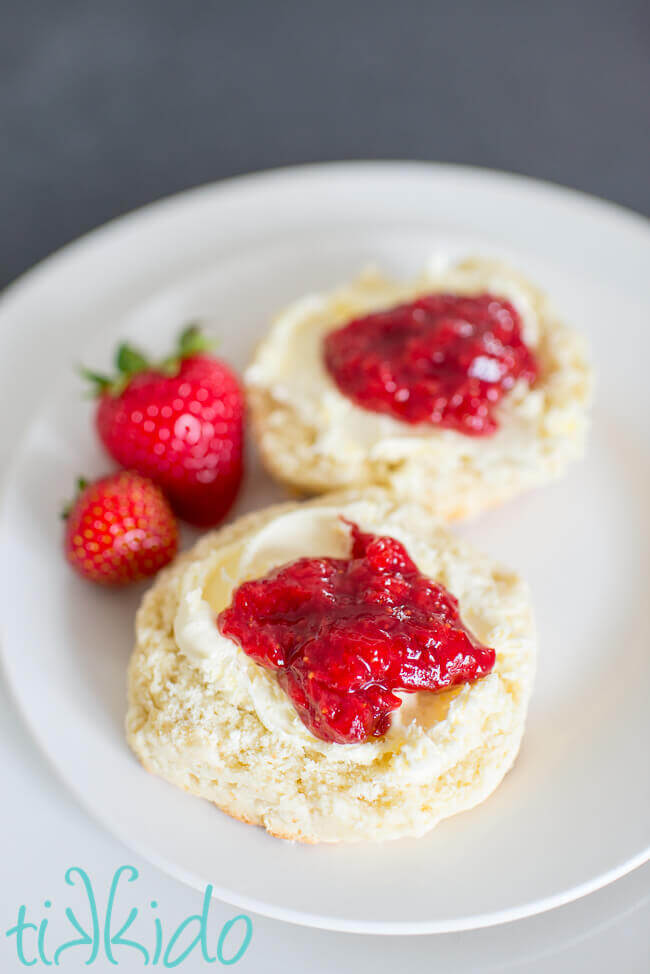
(344, 633)
(444, 359)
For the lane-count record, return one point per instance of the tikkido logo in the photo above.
(99, 936)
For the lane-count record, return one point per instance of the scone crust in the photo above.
(187, 729)
(454, 483)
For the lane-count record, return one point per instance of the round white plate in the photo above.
(575, 812)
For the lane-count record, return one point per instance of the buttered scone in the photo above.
(459, 389)
(342, 669)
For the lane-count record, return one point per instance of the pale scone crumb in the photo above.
(227, 732)
(315, 439)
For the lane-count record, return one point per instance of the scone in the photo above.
(483, 398)
(332, 592)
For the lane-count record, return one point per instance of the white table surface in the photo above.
(45, 832)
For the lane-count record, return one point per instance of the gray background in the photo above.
(107, 105)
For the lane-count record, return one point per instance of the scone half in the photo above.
(206, 717)
(314, 438)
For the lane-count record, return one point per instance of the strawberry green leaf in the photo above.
(192, 341)
(129, 360)
(82, 483)
(101, 383)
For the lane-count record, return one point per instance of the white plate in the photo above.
(574, 813)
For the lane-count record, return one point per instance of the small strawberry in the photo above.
(119, 529)
(179, 422)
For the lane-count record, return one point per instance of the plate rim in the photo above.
(243, 179)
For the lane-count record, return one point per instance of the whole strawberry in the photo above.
(120, 529)
(179, 422)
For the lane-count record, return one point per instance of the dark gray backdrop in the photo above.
(108, 104)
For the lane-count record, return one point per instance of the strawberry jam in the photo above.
(344, 633)
(444, 359)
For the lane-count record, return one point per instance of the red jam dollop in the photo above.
(344, 633)
(444, 359)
